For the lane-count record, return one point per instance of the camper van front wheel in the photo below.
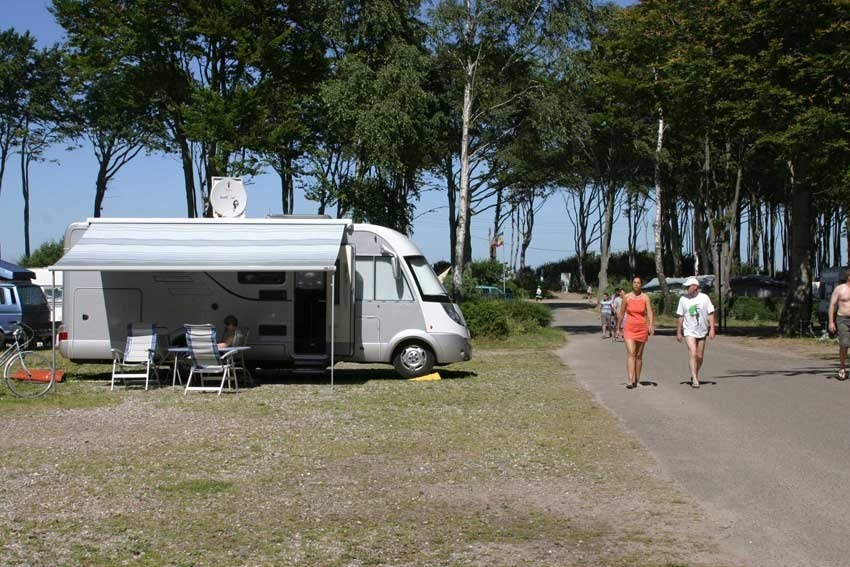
(413, 359)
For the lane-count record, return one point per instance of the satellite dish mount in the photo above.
(228, 198)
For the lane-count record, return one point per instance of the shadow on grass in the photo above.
(344, 376)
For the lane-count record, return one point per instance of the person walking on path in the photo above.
(606, 315)
(695, 324)
(841, 324)
(640, 325)
(616, 304)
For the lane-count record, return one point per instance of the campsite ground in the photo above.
(506, 461)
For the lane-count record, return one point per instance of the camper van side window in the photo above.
(387, 287)
(2, 296)
(364, 288)
(261, 278)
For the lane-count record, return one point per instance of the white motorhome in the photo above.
(306, 290)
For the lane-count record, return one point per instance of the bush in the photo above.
(500, 319)
(535, 315)
(740, 308)
(488, 272)
(486, 318)
(754, 308)
(45, 255)
(658, 303)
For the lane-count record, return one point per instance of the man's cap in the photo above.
(691, 281)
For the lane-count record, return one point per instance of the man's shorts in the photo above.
(842, 325)
(607, 319)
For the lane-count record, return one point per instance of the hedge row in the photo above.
(739, 308)
(500, 319)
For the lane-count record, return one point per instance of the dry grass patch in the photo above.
(504, 462)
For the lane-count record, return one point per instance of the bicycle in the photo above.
(27, 373)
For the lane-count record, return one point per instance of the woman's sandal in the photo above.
(694, 384)
(630, 386)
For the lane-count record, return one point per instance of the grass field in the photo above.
(503, 462)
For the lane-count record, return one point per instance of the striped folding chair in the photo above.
(139, 359)
(207, 361)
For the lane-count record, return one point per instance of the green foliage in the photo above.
(500, 319)
(754, 309)
(45, 255)
(618, 269)
(658, 303)
(467, 289)
(488, 272)
(486, 318)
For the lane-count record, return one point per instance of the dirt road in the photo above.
(764, 444)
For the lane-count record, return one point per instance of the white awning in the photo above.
(153, 245)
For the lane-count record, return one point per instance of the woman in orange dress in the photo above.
(640, 324)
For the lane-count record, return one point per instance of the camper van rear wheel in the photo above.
(413, 359)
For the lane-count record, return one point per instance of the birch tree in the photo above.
(488, 40)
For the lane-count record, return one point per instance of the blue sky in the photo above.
(62, 188)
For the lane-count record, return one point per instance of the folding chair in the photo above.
(207, 361)
(140, 356)
(241, 339)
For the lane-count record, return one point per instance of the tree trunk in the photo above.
(25, 189)
(786, 231)
(659, 207)
(463, 197)
(5, 146)
(287, 191)
(732, 213)
(188, 177)
(451, 192)
(847, 231)
(632, 236)
(675, 238)
(497, 223)
(610, 196)
(756, 228)
(100, 185)
(798, 301)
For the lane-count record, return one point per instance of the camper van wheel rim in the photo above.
(413, 359)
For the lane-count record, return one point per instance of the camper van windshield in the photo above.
(429, 286)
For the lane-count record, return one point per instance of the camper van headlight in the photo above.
(454, 313)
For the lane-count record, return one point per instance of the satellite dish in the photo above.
(228, 197)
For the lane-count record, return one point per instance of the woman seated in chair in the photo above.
(231, 327)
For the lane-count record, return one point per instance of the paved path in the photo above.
(765, 446)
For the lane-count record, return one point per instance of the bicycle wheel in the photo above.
(29, 375)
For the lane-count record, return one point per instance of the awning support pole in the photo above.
(53, 322)
(333, 312)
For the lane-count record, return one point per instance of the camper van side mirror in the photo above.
(393, 261)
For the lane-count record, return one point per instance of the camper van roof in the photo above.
(221, 244)
(401, 244)
(9, 271)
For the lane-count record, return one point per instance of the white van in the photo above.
(52, 290)
(296, 285)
